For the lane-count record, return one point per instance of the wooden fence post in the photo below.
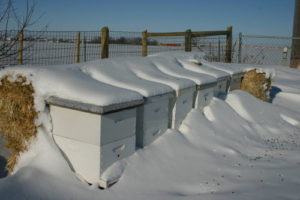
(20, 47)
(104, 42)
(144, 43)
(188, 40)
(77, 47)
(228, 44)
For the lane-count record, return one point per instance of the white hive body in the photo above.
(236, 72)
(92, 136)
(184, 89)
(153, 115)
(193, 61)
(205, 84)
(92, 141)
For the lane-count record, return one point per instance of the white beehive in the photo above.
(192, 61)
(182, 102)
(205, 84)
(236, 72)
(153, 115)
(93, 137)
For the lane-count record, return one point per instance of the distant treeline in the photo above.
(112, 40)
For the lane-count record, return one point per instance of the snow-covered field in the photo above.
(237, 147)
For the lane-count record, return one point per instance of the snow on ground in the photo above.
(236, 148)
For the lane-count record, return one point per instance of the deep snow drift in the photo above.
(236, 148)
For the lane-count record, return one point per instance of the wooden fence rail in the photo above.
(188, 35)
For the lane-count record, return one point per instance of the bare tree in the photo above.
(12, 25)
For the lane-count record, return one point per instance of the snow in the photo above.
(235, 148)
(231, 68)
(172, 66)
(192, 61)
(69, 83)
(115, 72)
(145, 69)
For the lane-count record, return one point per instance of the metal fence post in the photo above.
(20, 47)
(144, 43)
(219, 50)
(84, 47)
(104, 42)
(77, 47)
(188, 40)
(240, 48)
(228, 44)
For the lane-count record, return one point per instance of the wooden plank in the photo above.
(208, 33)
(194, 33)
(166, 34)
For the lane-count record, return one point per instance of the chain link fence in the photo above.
(266, 50)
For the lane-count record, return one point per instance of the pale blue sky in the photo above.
(263, 17)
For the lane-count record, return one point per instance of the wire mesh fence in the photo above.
(49, 47)
(165, 43)
(213, 46)
(8, 47)
(124, 44)
(90, 46)
(61, 47)
(266, 50)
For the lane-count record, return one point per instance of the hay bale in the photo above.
(17, 116)
(257, 84)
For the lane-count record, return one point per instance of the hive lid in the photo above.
(76, 105)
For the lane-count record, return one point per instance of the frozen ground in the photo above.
(236, 148)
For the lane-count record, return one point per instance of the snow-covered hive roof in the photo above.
(116, 72)
(192, 62)
(231, 68)
(145, 69)
(67, 83)
(172, 66)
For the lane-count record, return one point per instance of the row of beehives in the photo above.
(94, 137)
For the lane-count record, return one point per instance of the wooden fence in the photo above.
(188, 36)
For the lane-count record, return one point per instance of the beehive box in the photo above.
(153, 115)
(93, 137)
(205, 84)
(236, 72)
(182, 102)
(192, 61)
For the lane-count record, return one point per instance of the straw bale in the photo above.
(256, 84)
(17, 116)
